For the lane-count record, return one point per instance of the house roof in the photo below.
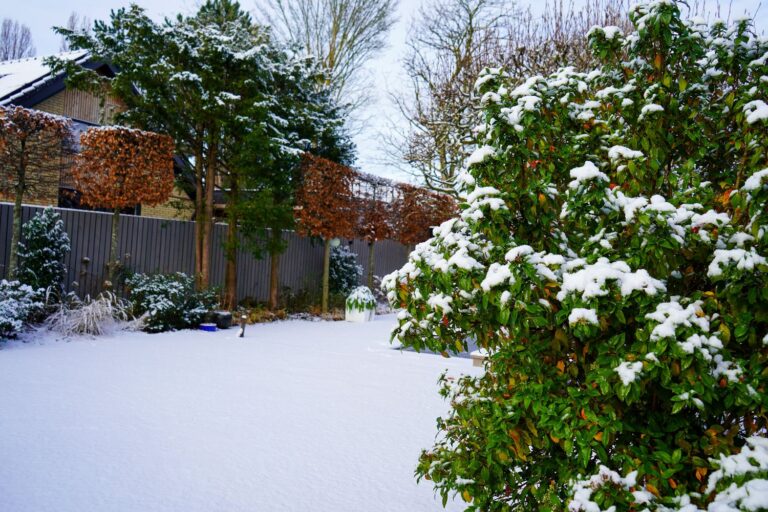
(21, 79)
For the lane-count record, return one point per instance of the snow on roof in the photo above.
(20, 77)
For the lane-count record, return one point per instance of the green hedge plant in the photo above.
(361, 299)
(19, 305)
(169, 301)
(611, 257)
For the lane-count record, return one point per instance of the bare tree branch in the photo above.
(15, 40)
(343, 34)
(449, 45)
(75, 23)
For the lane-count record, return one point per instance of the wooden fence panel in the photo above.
(158, 245)
(6, 219)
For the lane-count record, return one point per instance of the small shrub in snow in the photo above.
(89, 316)
(18, 304)
(344, 271)
(361, 299)
(382, 304)
(612, 257)
(169, 301)
(42, 251)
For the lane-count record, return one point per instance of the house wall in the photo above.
(84, 106)
(44, 167)
(178, 207)
(45, 197)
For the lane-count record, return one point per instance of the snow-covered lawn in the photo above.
(298, 416)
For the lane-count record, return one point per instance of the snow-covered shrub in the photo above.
(382, 304)
(18, 303)
(42, 250)
(169, 301)
(611, 257)
(89, 316)
(361, 299)
(344, 272)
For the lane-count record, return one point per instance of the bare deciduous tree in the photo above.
(343, 34)
(452, 41)
(15, 40)
(557, 38)
(448, 46)
(75, 23)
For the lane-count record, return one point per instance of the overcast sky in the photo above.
(41, 15)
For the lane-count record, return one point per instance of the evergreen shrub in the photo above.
(611, 258)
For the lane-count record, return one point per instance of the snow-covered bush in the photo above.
(344, 271)
(361, 299)
(382, 304)
(18, 303)
(42, 250)
(89, 316)
(169, 301)
(611, 257)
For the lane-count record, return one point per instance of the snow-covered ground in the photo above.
(298, 416)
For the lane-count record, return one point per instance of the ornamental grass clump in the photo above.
(97, 316)
(611, 257)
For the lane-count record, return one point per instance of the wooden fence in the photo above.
(153, 245)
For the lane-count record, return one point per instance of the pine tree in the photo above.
(42, 250)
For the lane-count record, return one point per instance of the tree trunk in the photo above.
(113, 257)
(274, 268)
(199, 218)
(207, 225)
(230, 273)
(371, 263)
(21, 183)
(326, 275)
(13, 261)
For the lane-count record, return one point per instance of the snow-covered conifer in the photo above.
(344, 272)
(41, 251)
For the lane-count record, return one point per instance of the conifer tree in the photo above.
(218, 84)
(42, 250)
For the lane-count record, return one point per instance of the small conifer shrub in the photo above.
(42, 250)
(344, 271)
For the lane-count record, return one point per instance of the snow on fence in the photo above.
(159, 245)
